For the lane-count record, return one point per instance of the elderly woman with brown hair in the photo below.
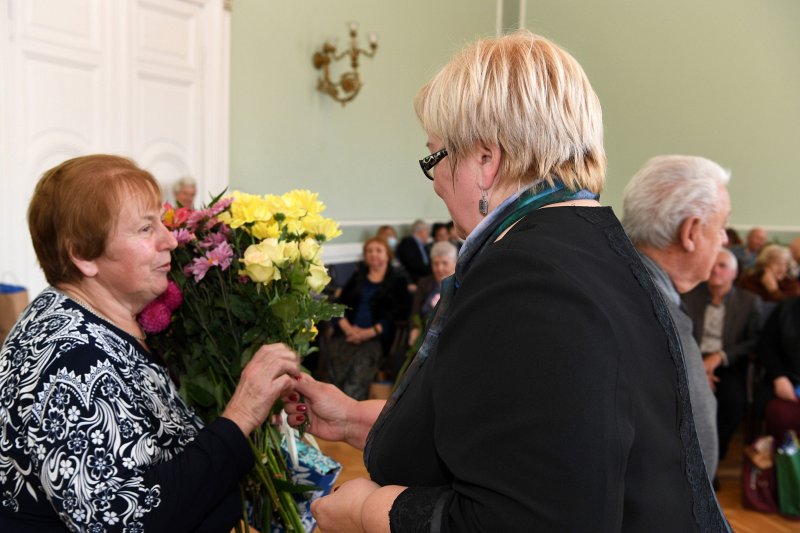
(770, 277)
(550, 392)
(94, 434)
(375, 296)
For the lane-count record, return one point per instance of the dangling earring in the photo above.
(483, 203)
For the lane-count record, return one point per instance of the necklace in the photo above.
(94, 311)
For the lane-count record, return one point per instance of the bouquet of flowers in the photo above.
(247, 271)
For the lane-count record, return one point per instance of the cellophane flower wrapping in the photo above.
(247, 271)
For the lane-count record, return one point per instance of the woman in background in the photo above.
(429, 289)
(770, 277)
(375, 297)
(779, 352)
(550, 392)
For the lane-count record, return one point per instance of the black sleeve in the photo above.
(200, 487)
(748, 339)
(545, 424)
(770, 351)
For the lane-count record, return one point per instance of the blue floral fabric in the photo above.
(84, 411)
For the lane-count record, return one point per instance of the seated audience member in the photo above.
(733, 238)
(726, 326)
(388, 234)
(375, 297)
(779, 351)
(675, 210)
(412, 253)
(440, 232)
(454, 238)
(794, 248)
(769, 277)
(443, 263)
(95, 436)
(184, 191)
(746, 253)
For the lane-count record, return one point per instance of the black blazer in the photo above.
(410, 255)
(779, 349)
(557, 399)
(742, 321)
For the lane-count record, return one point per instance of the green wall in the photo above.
(719, 78)
(363, 158)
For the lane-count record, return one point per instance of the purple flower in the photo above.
(213, 239)
(220, 206)
(183, 236)
(221, 255)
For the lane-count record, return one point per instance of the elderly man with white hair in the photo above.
(675, 210)
(727, 323)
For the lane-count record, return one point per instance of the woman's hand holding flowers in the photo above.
(267, 376)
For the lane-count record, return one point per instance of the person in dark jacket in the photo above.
(779, 351)
(550, 391)
(376, 297)
(726, 323)
(413, 253)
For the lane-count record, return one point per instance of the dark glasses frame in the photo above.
(430, 161)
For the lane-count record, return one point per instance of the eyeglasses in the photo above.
(428, 162)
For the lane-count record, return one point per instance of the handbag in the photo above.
(759, 486)
(13, 300)
(787, 466)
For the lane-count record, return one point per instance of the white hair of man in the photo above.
(418, 226)
(667, 190)
(732, 260)
(444, 249)
(185, 181)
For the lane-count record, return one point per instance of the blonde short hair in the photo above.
(527, 96)
(772, 253)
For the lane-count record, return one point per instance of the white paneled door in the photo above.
(147, 79)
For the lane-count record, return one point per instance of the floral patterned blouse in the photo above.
(94, 437)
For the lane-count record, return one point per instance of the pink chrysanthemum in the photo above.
(183, 236)
(213, 239)
(172, 297)
(155, 317)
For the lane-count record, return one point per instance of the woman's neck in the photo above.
(100, 302)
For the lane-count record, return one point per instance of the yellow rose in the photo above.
(317, 278)
(258, 264)
(309, 249)
(291, 251)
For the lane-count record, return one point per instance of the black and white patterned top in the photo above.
(94, 437)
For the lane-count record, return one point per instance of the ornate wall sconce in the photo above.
(349, 83)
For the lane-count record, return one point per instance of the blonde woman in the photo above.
(770, 276)
(549, 393)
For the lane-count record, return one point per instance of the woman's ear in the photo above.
(489, 164)
(87, 267)
(689, 233)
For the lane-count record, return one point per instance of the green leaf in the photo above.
(292, 488)
(286, 308)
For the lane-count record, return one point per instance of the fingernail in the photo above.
(300, 418)
(294, 397)
(302, 408)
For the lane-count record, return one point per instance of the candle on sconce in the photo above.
(373, 38)
(353, 26)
